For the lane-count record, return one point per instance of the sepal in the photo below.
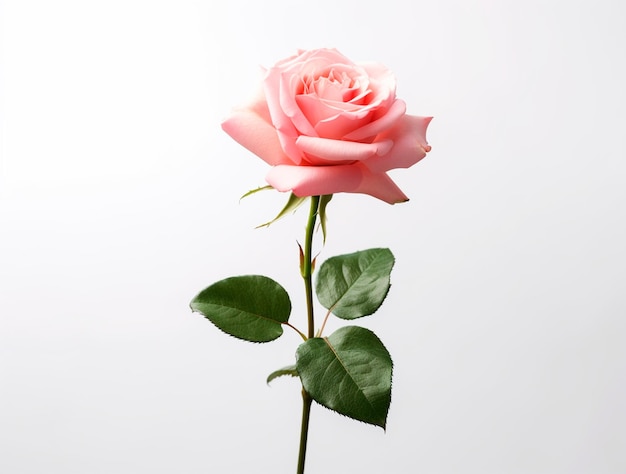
(256, 190)
(324, 200)
(293, 203)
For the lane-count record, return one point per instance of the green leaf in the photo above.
(293, 203)
(356, 284)
(289, 370)
(349, 372)
(324, 200)
(249, 307)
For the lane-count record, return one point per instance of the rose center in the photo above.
(334, 84)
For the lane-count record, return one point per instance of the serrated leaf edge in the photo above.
(384, 424)
(334, 305)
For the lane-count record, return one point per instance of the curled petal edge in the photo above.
(320, 180)
(333, 151)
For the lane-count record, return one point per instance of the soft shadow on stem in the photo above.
(308, 286)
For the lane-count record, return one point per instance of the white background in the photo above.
(119, 202)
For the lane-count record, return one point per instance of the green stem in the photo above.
(304, 429)
(304, 338)
(308, 264)
(319, 333)
(307, 271)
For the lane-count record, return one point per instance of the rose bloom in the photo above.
(328, 125)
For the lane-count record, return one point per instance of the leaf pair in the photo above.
(254, 307)
(350, 371)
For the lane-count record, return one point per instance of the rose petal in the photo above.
(319, 180)
(381, 186)
(409, 145)
(285, 129)
(314, 180)
(387, 121)
(338, 126)
(382, 83)
(381, 75)
(325, 150)
(317, 110)
(307, 61)
(251, 127)
(289, 84)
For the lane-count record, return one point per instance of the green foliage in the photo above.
(349, 372)
(290, 370)
(249, 307)
(356, 284)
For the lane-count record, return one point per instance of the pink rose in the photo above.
(328, 125)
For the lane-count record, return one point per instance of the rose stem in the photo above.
(304, 429)
(308, 267)
(307, 270)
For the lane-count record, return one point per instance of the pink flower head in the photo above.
(328, 125)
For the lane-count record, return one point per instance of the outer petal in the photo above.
(320, 180)
(303, 57)
(409, 145)
(382, 83)
(380, 186)
(315, 180)
(285, 129)
(251, 127)
(381, 75)
(387, 121)
(338, 151)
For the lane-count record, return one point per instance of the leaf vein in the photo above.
(347, 372)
